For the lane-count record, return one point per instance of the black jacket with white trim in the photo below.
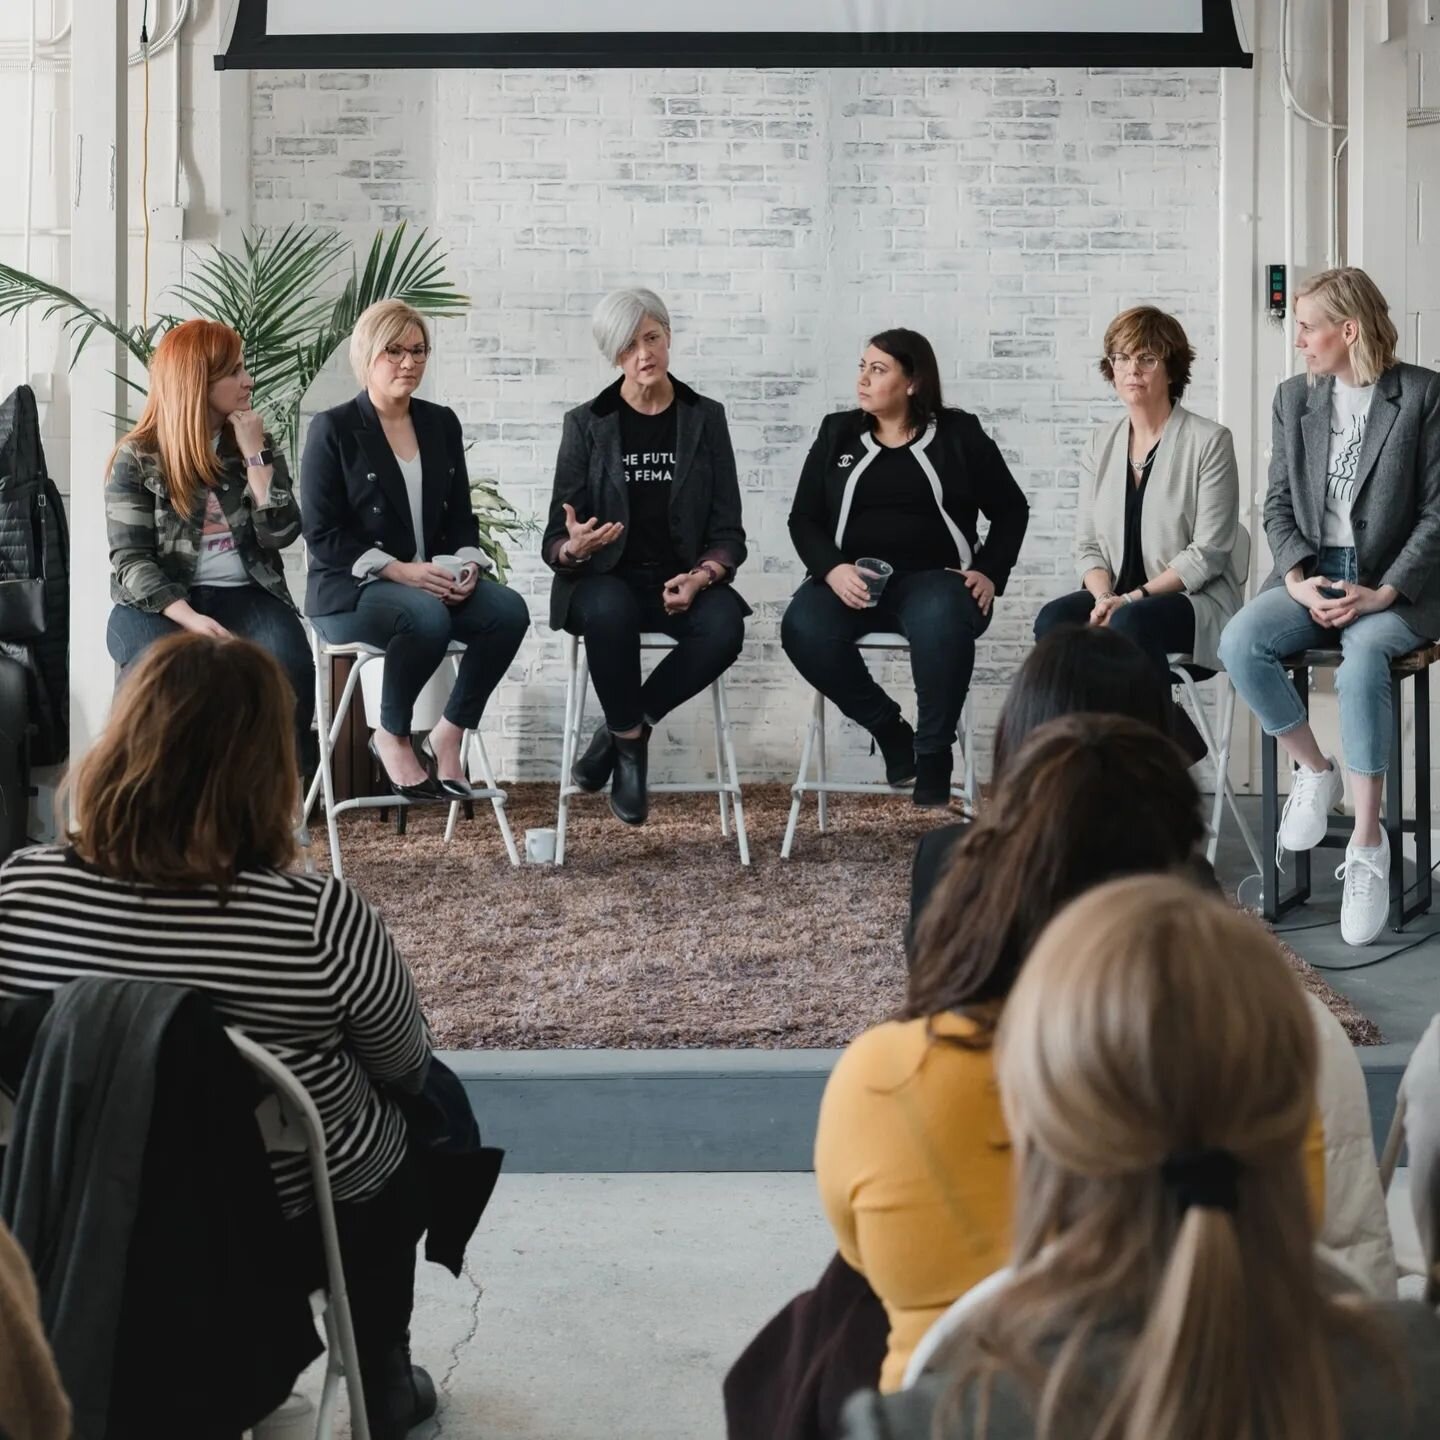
(967, 474)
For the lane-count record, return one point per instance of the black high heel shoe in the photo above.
(451, 789)
(427, 789)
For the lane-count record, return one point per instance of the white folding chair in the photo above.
(328, 729)
(289, 1121)
(822, 785)
(726, 785)
(1217, 748)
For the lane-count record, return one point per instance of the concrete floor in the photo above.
(608, 1307)
(1399, 993)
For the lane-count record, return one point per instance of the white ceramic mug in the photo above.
(453, 563)
(540, 847)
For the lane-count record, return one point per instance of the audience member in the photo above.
(644, 534)
(32, 1402)
(1157, 1073)
(1352, 517)
(901, 480)
(198, 507)
(1071, 671)
(395, 558)
(1157, 533)
(184, 811)
(1421, 1089)
(911, 1155)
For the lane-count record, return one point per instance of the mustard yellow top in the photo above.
(914, 1168)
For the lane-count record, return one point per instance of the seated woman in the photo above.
(1157, 1074)
(901, 479)
(644, 534)
(1157, 531)
(198, 507)
(910, 1154)
(385, 497)
(184, 814)
(1072, 671)
(1352, 517)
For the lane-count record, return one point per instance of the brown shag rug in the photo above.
(657, 937)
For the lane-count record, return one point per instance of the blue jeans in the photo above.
(415, 629)
(1273, 625)
(244, 610)
(933, 609)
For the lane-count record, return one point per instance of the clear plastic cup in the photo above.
(874, 573)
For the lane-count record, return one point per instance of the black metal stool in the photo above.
(1416, 668)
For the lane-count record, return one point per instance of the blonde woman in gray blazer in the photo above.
(1158, 542)
(1352, 516)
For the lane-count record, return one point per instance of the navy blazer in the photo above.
(353, 497)
(590, 475)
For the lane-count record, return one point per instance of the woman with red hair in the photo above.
(198, 506)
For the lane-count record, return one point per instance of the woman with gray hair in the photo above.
(644, 534)
(394, 550)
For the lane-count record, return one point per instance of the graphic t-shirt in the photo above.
(219, 562)
(647, 447)
(1349, 407)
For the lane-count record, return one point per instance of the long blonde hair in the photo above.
(1152, 1021)
(175, 423)
(1348, 293)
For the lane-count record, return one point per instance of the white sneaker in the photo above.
(1313, 795)
(1365, 906)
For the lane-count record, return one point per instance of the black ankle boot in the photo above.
(398, 1395)
(628, 799)
(897, 744)
(592, 769)
(932, 779)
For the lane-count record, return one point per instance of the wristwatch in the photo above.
(260, 461)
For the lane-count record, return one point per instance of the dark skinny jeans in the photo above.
(933, 609)
(610, 612)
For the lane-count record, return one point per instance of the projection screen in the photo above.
(309, 34)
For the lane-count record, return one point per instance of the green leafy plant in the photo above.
(279, 294)
(498, 517)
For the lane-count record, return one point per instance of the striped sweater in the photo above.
(301, 963)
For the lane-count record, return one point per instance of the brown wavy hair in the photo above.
(175, 423)
(195, 777)
(1144, 327)
(1152, 1021)
(1087, 798)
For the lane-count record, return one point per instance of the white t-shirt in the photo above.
(411, 470)
(1349, 408)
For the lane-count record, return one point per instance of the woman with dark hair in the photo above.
(911, 1155)
(1158, 543)
(184, 832)
(901, 479)
(1071, 671)
(1157, 1071)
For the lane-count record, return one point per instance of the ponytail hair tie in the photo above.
(1209, 1178)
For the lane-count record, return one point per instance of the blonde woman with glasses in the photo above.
(394, 550)
(1157, 534)
(1157, 1067)
(1352, 517)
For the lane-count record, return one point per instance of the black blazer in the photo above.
(353, 498)
(590, 475)
(974, 480)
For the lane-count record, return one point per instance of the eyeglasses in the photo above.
(396, 353)
(1143, 363)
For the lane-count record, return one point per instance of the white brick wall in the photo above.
(785, 215)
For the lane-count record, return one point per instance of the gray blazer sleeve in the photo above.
(1415, 564)
(1287, 545)
(1217, 513)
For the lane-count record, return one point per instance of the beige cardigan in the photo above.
(1190, 523)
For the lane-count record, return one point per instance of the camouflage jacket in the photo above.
(154, 550)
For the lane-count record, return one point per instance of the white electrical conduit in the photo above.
(14, 53)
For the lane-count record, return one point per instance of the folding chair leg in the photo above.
(797, 790)
(820, 758)
(722, 707)
(497, 801)
(574, 704)
(720, 761)
(967, 731)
